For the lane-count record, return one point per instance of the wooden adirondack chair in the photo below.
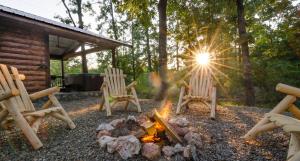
(114, 88)
(201, 88)
(16, 105)
(286, 104)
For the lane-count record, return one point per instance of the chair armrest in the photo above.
(133, 84)
(6, 95)
(44, 93)
(287, 89)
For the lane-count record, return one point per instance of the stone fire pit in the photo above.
(130, 136)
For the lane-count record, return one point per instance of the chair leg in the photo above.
(101, 103)
(106, 102)
(136, 99)
(36, 124)
(64, 113)
(213, 103)
(126, 105)
(24, 126)
(182, 90)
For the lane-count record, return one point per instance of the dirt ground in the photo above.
(221, 137)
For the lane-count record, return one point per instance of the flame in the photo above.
(158, 127)
(165, 110)
(150, 138)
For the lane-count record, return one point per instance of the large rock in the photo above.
(142, 118)
(178, 148)
(131, 118)
(105, 126)
(180, 121)
(168, 151)
(104, 140)
(194, 139)
(151, 151)
(126, 146)
(117, 122)
(103, 133)
(181, 131)
(187, 152)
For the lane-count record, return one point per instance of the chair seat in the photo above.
(43, 112)
(198, 98)
(40, 113)
(122, 96)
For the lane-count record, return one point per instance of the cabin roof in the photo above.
(63, 38)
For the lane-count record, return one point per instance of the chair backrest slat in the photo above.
(115, 81)
(23, 92)
(201, 83)
(117, 75)
(123, 85)
(8, 84)
(11, 81)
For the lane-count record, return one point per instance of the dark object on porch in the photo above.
(83, 82)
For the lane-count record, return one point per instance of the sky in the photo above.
(47, 9)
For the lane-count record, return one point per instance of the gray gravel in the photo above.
(221, 137)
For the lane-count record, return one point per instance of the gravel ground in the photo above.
(221, 137)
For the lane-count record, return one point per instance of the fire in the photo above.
(158, 127)
(155, 129)
(165, 110)
(150, 138)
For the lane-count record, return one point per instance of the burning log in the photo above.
(167, 127)
(149, 127)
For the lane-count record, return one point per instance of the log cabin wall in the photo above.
(26, 49)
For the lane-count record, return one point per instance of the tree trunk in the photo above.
(83, 56)
(132, 51)
(148, 50)
(177, 56)
(162, 48)
(113, 58)
(249, 90)
(114, 27)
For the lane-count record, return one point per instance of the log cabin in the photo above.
(28, 42)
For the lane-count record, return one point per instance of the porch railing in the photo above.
(56, 81)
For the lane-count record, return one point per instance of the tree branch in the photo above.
(69, 13)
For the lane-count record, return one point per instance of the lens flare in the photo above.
(202, 58)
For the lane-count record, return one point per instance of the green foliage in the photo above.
(273, 33)
(269, 72)
(55, 67)
(144, 86)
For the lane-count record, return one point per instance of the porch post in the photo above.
(83, 60)
(113, 58)
(62, 72)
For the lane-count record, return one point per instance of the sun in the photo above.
(202, 58)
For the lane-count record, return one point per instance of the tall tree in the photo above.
(243, 39)
(77, 9)
(115, 31)
(148, 49)
(80, 22)
(162, 49)
(142, 12)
